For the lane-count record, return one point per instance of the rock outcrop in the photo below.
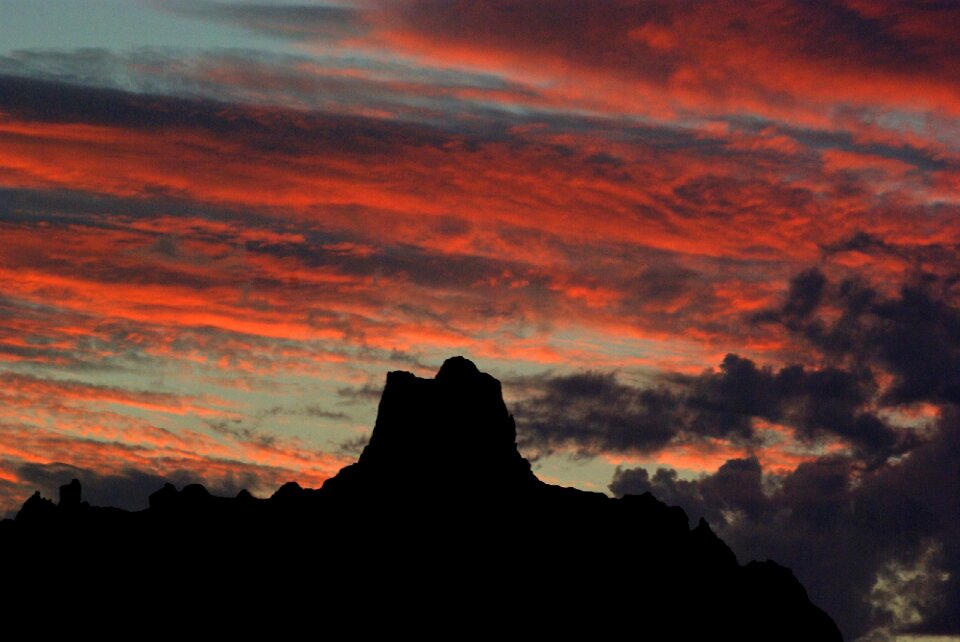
(441, 515)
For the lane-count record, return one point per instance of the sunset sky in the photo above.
(709, 248)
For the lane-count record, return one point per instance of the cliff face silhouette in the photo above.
(440, 520)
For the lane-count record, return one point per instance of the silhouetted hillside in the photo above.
(440, 521)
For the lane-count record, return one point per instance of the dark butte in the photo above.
(440, 528)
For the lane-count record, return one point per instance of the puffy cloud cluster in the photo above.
(595, 413)
(877, 547)
(871, 526)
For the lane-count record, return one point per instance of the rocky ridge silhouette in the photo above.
(440, 515)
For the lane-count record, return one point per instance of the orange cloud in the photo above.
(621, 189)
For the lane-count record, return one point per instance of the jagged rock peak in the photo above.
(457, 369)
(70, 494)
(455, 425)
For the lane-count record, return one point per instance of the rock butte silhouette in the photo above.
(440, 527)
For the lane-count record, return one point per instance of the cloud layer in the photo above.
(717, 238)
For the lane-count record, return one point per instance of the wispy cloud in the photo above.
(719, 237)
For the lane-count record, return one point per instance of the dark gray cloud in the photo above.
(594, 412)
(329, 83)
(806, 291)
(930, 257)
(285, 132)
(366, 392)
(842, 529)
(873, 533)
(844, 523)
(914, 335)
(736, 486)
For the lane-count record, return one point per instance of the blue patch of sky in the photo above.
(114, 25)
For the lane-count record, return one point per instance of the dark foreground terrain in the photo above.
(439, 529)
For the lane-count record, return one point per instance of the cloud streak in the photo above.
(684, 234)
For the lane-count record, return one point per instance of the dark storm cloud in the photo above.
(806, 290)
(872, 537)
(594, 412)
(827, 401)
(737, 485)
(841, 529)
(913, 334)
(128, 490)
(851, 526)
(928, 256)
